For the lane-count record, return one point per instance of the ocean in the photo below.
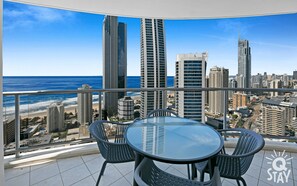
(37, 103)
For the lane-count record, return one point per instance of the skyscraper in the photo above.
(206, 93)
(55, 117)
(257, 81)
(9, 130)
(275, 84)
(295, 75)
(122, 58)
(153, 65)
(244, 64)
(289, 105)
(85, 105)
(232, 84)
(190, 73)
(218, 78)
(114, 61)
(265, 76)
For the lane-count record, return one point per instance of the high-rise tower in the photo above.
(244, 64)
(295, 75)
(85, 106)
(218, 78)
(114, 61)
(55, 117)
(190, 73)
(153, 65)
(122, 58)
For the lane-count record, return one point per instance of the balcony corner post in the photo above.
(17, 126)
(100, 105)
(225, 109)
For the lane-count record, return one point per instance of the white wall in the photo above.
(1, 101)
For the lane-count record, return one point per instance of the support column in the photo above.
(225, 109)
(1, 100)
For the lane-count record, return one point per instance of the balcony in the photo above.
(76, 161)
(84, 170)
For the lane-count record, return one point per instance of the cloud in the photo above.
(275, 45)
(233, 26)
(24, 15)
(228, 39)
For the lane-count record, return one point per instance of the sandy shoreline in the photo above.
(67, 109)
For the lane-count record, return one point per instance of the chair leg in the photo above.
(194, 171)
(243, 181)
(101, 172)
(189, 176)
(202, 176)
(238, 183)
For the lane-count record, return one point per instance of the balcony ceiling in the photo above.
(173, 9)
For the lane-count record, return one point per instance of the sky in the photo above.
(49, 42)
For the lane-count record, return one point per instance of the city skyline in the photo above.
(44, 38)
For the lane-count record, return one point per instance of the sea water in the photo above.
(35, 103)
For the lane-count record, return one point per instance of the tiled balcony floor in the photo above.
(84, 171)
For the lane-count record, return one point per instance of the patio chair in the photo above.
(161, 112)
(234, 166)
(147, 174)
(113, 151)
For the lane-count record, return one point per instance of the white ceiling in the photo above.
(173, 9)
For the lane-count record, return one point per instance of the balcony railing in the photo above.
(36, 143)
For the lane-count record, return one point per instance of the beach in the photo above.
(67, 109)
(43, 113)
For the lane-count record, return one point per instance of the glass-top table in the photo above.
(174, 139)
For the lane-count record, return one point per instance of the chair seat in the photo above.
(147, 173)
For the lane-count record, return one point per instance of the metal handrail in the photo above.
(225, 90)
(145, 90)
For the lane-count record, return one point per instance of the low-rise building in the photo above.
(126, 108)
(239, 100)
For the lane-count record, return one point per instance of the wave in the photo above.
(41, 106)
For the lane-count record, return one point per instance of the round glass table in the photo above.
(173, 140)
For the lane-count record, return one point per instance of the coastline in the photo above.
(67, 109)
(43, 113)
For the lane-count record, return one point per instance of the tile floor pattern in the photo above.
(84, 171)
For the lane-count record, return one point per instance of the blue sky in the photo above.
(40, 41)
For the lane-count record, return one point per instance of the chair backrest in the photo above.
(99, 130)
(161, 112)
(248, 142)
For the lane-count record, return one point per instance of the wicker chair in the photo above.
(236, 165)
(161, 112)
(147, 173)
(113, 152)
